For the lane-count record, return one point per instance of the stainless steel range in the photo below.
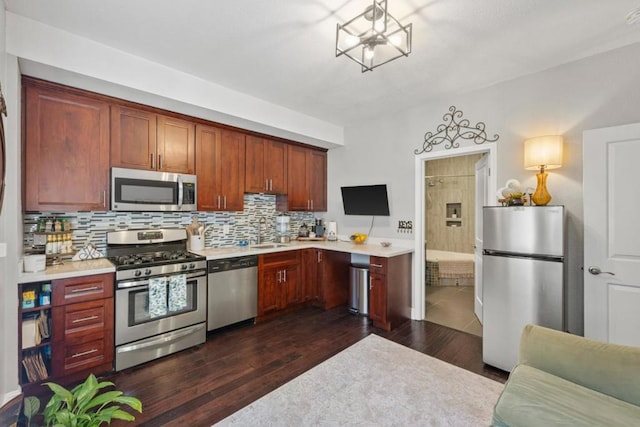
(161, 294)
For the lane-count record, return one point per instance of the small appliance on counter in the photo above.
(303, 231)
(332, 231)
(319, 228)
(195, 231)
(283, 233)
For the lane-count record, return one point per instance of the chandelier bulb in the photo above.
(369, 52)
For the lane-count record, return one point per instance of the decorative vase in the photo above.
(541, 197)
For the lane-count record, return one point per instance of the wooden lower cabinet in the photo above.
(333, 278)
(389, 290)
(279, 282)
(81, 341)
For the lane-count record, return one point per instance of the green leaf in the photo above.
(31, 406)
(122, 415)
(61, 392)
(133, 402)
(106, 397)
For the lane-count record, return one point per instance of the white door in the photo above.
(482, 182)
(612, 234)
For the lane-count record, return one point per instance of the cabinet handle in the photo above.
(153, 160)
(311, 204)
(319, 257)
(225, 202)
(266, 184)
(159, 161)
(270, 185)
(218, 202)
(308, 204)
(92, 288)
(104, 198)
(84, 319)
(279, 276)
(370, 284)
(285, 275)
(84, 353)
(376, 265)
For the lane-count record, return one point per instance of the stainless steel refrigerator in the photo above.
(523, 277)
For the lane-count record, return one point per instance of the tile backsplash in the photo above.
(92, 227)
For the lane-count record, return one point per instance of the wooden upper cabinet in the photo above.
(176, 145)
(307, 189)
(220, 167)
(145, 140)
(66, 151)
(133, 138)
(266, 166)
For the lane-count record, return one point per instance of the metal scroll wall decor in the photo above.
(454, 128)
(3, 152)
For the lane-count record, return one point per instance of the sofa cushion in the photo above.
(533, 397)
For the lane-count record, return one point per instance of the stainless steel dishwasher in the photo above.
(232, 291)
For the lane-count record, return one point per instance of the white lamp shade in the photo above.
(543, 151)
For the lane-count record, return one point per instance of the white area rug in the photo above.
(376, 382)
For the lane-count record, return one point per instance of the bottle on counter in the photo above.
(48, 248)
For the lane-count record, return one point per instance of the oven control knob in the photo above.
(183, 267)
(137, 273)
(147, 272)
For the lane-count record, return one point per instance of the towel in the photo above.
(455, 269)
(177, 293)
(157, 297)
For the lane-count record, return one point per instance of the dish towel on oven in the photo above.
(157, 297)
(177, 293)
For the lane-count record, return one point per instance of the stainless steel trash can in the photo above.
(359, 290)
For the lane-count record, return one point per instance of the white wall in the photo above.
(595, 92)
(10, 221)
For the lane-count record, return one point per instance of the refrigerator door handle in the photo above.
(596, 270)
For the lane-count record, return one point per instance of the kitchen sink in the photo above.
(269, 245)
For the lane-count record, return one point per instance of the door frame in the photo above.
(418, 309)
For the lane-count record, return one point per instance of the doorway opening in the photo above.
(485, 185)
(449, 216)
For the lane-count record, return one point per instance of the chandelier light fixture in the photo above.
(374, 37)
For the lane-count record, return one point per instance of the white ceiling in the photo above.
(283, 51)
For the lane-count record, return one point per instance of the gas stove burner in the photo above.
(176, 255)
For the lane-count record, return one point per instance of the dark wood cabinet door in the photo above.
(291, 285)
(232, 173)
(66, 152)
(276, 160)
(334, 271)
(317, 180)
(310, 259)
(176, 145)
(298, 188)
(269, 290)
(207, 166)
(378, 299)
(255, 181)
(133, 138)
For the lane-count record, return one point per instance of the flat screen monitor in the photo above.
(365, 200)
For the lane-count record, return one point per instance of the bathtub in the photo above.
(446, 268)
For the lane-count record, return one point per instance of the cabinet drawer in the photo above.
(85, 288)
(85, 356)
(378, 265)
(76, 323)
(280, 258)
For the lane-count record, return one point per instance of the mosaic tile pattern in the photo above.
(432, 274)
(92, 227)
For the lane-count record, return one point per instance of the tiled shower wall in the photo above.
(92, 227)
(454, 182)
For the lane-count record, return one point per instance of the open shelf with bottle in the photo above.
(453, 214)
(54, 244)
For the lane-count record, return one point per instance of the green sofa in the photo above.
(567, 380)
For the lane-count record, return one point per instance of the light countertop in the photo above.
(102, 265)
(371, 249)
(69, 269)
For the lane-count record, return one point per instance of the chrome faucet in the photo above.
(261, 221)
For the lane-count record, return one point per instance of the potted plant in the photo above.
(82, 406)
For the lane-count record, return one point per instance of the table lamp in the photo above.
(542, 152)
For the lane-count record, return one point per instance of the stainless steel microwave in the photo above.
(141, 190)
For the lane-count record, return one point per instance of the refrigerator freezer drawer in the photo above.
(517, 291)
(535, 230)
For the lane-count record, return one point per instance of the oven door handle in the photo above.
(174, 336)
(145, 283)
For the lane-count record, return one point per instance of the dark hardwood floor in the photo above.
(202, 385)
